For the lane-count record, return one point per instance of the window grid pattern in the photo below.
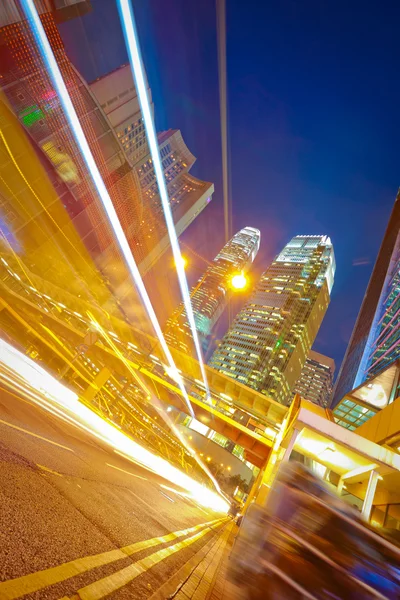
(278, 325)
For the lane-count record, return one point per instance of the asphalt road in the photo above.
(65, 496)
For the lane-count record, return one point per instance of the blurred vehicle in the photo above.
(308, 543)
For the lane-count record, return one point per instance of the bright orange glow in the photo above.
(239, 282)
(183, 261)
(33, 381)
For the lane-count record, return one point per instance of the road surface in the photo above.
(69, 504)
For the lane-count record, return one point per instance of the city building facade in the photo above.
(374, 342)
(211, 293)
(116, 94)
(270, 339)
(124, 162)
(315, 381)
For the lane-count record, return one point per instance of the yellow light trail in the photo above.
(48, 390)
(133, 47)
(76, 128)
(161, 411)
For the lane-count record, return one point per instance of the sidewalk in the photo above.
(207, 579)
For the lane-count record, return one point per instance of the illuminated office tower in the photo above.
(210, 295)
(315, 381)
(116, 94)
(269, 341)
(375, 341)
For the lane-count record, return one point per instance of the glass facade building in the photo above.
(116, 137)
(368, 399)
(269, 341)
(383, 345)
(374, 343)
(116, 94)
(210, 294)
(315, 382)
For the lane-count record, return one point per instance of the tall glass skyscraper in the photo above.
(210, 294)
(270, 339)
(374, 343)
(383, 344)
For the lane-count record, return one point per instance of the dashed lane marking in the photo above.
(40, 437)
(127, 472)
(43, 468)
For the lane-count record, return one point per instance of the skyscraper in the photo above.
(315, 381)
(116, 94)
(270, 339)
(109, 124)
(374, 342)
(210, 294)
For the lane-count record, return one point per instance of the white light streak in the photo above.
(58, 82)
(132, 43)
(35, 383)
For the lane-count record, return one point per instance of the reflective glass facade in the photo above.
(359, 405)
(384, 348)
(364, 349)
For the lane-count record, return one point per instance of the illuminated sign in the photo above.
(31, 115)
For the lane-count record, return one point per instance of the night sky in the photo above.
(314, 120)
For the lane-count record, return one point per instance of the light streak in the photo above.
(48, 391)
(155, 401)
(65, 100)
(132, 44)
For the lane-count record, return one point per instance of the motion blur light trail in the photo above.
(56, 76)
(52, 395)
(155, 401)
(132, 43)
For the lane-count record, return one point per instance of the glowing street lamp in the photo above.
(182, 260)
(239, 281)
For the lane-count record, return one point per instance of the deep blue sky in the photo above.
(314, 120)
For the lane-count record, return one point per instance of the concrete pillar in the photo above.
(327, 474)
(292, 441)
(254, 489)
(369, 496)
(272, 467)
(101, 378)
